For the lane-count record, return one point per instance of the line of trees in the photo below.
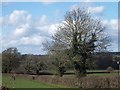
(13, 61)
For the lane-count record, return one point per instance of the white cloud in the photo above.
(19, 17)
(90, 9)
(98, 9)
(26, 31)
(53, 29)
(44, 27)
(112, 26)
(21, 21)
(43, 20)
(112, 31)
(21, 30)
(32, 40)
(48, 30)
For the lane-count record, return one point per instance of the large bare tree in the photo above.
(80, 35)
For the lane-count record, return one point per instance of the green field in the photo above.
(96, 73)
(22, 82)
(103, 74)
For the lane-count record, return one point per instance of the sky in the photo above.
(26, 25)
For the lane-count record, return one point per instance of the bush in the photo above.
(110, 69)
(4, 88)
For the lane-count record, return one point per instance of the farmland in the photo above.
(22, 82)
(54, 81)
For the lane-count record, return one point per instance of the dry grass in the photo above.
(84, 82)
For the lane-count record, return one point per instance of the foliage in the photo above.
(38, 66)
(110, 69)
(10, 59)
(33, 64)
(60, 67)
(28, 67)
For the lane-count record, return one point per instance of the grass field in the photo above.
(103, 74)
(97, 73)
(21, 82)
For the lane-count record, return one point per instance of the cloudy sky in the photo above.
(26, 25)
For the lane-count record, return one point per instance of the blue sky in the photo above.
(26, 25)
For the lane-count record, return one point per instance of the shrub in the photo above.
(110, 69)
(4, 88)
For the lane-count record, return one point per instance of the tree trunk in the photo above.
(80, 67)
(83, 71)
(9, 70)
(37, 72)
(5, 71)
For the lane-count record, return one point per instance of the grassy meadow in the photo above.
(48, 82)
(22, 82)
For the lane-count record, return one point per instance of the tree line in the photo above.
(14, 61)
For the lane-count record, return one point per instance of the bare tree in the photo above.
(80, 35)
(58, 57)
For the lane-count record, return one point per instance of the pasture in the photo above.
(96, 73)
(22, 82)
(53, 81)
